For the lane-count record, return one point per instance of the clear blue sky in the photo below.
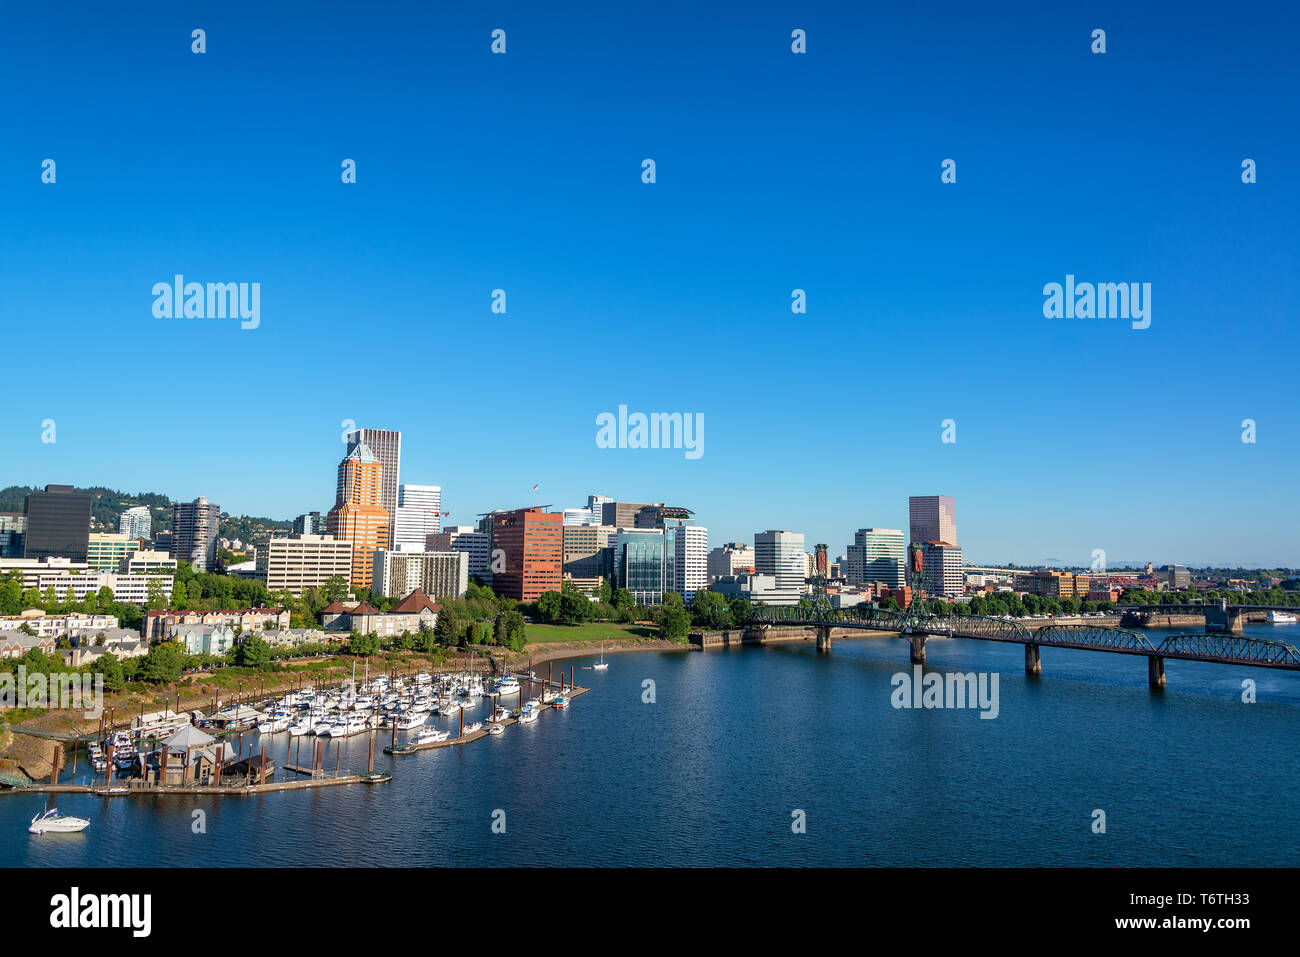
(775, 171)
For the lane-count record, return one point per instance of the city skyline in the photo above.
(542, 197)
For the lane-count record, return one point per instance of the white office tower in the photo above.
(690, 560)
(780, 554)
(418, 515)
(593, 513)
(135, 522)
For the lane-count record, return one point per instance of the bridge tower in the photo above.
(916, 581)
(821, 604)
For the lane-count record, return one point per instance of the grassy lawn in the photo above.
(591, 631)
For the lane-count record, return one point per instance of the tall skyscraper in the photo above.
(357, 515)
(418, 515)
(531, 542)
(386, 446)
(194, 533)
(639, 564)
(878, 555)
(933, 518)
(781, 555)
(943, 570)
(58, 523)
(135, 522)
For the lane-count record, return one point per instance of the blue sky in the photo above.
(775, 171)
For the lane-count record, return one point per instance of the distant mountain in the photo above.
(107, 506)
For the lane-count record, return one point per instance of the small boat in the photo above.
(509, 684)
(561, 701)
(471, 728)
(496, 729)
(527, 715)
(52, 822)
(429, 735)
(1281, 618)
(274, 724)
(601, 665)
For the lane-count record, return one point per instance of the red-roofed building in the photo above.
(412, 613)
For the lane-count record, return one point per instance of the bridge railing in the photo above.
(1231, 648)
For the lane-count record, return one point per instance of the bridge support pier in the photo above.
(823, 638)
(918, 648)
(1156, 672)
(1033, 660)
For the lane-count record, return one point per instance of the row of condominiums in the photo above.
(386, 536)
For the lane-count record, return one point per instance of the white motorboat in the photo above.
(274, 724)
(496, 729)
(1281, 618)
(52, 822)
(301, 728)
(527, 714)
(429, 736)
(509, 684)
(410, 720)
(471, 728)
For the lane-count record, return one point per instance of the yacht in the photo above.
(561, 701)
(55, 823)
(302, 727)
(410, 720)
(496, 729)
(449, 707)
(527, 714)
(429, 736)
(471, 728)
(1281, 618)
(274, 723)
(508, 685)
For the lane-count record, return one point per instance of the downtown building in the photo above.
(439, 574)
(295, 563)
(385, 446)
(530, 543)
(877, 555)
(593, 513)
(194, 533)
(107, 551)
(943, 572)
(589, 553)
(357, 516)
(418, 515)
(932, 518)
(465, 538)
(727, 561)
(780, 556)
(135, 522)
(57, 524)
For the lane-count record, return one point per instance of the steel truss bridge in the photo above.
(1217, 648)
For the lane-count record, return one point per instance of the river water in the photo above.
(740, 748)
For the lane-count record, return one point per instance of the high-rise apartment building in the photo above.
(357, 515)
(135, 522)
(464, 538)
(386, 446)
(58, 523)
(780, 554)
(295, 563)
(418, 516)
(877, 555)
(531, 546)
(194, 533)
(932, 518)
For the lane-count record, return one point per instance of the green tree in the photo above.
(710, 610)
(335, 588)
(448, 626)
(549, 607)
(674, 620)
(253, 652)
(623, 599)
(111, 669)
(163, 663)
